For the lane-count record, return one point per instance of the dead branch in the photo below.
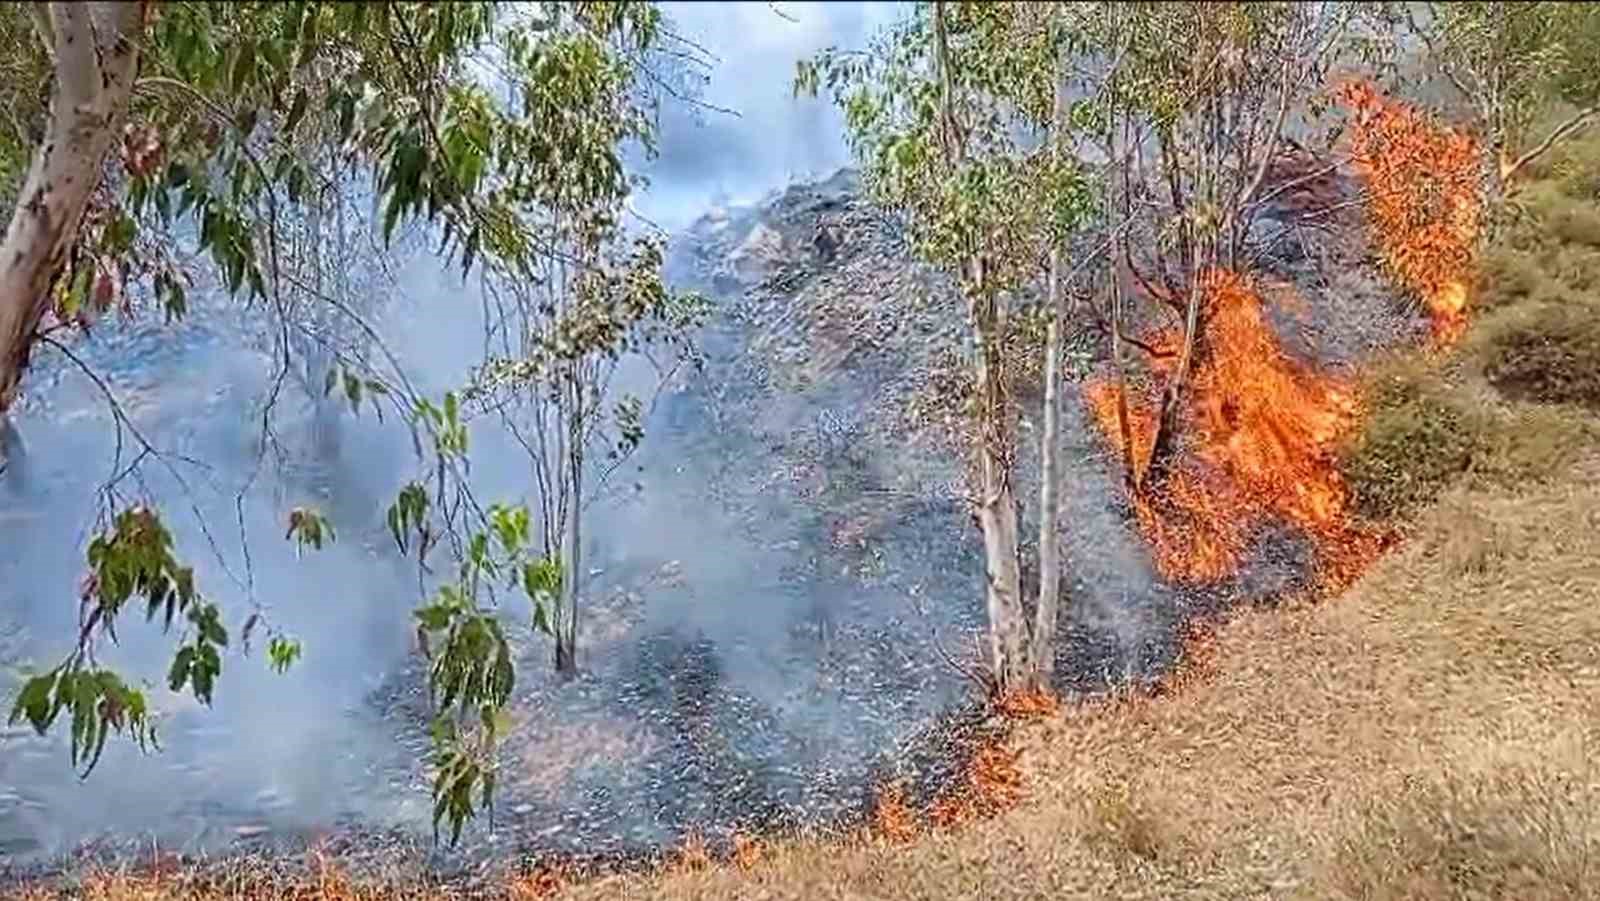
(1561, 132)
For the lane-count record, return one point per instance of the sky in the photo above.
(775, 138)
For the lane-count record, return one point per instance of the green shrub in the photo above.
(1575, 169)
(1408, 452)
(1508, 276)
(1543, 353)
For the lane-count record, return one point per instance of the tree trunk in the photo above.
(96, 57)
(997, 510)
(1047, 612)
(12, 454)
(567, 623)
(1491, 190)
(1130, 465)
(1163, 444)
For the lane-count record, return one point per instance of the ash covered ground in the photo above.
(771, 610)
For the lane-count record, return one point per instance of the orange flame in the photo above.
(1423, 200)
(892, 816)
(1028, 705)
(545, 881)
(1264, 429)
(747, 851)
(992, 785)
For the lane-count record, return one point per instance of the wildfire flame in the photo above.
(1263, 429)
(1423, 200)
(893, 819)
(1262, 426)
(992, 784)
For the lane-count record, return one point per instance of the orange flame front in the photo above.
(1263, 429)
(1423, 200)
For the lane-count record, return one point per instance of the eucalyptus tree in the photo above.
(558, 341)
(948, 111)
(233, 126)
(1510, 62)
(1189, 106)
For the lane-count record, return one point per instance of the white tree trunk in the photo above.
(96, 57)
(997, 507)
(1047, 613)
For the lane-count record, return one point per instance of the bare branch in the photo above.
(120, 417)
(1563, 131)
(43, 27)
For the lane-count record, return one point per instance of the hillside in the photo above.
(1429, 733)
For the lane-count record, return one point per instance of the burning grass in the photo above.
(1262, 428)
(1507, 405)
(1268, 436)
(893, 818)
(1434, 737)
(1423, 200)
(992, 784)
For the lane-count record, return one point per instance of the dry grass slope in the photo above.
(1435, 733)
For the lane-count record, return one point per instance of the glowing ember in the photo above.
(892, 818)
(1028, 705)
(746, 851)
(1423, 200)
(1263, 427)
(546, 881)
(694, 856)
(993, 784)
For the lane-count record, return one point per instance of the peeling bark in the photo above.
(96, 58)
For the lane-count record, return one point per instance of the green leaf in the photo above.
(243, 65)
(434, 618)
(178, 675)
(33, 703)
(296, 111)
(352, 391)
(542, 578)
(282, 652)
